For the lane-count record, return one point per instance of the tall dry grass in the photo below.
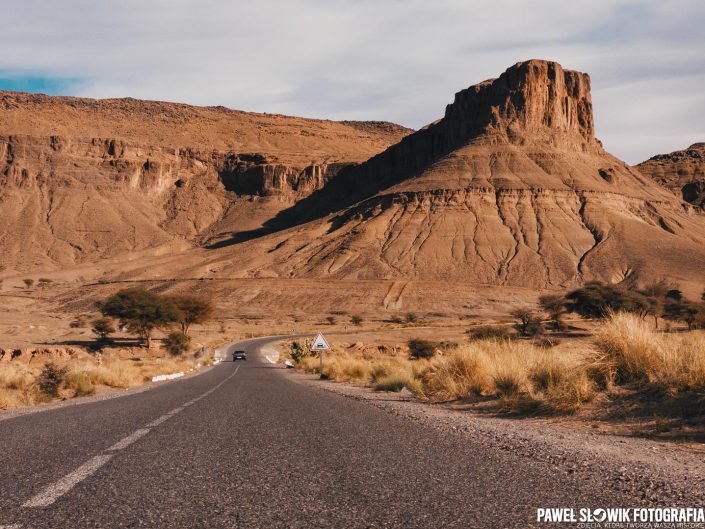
(520, 375)
(633, 352)
(19, 382)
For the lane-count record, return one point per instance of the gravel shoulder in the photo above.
(650, 470)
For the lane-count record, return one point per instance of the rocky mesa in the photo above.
(683, 172)
(510, 187)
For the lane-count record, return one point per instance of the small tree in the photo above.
(192, 310)
(28, 282)
(411, 318)
(597, 300)
(177, 343)
(141, 311)
(554, 306)
(331, 320)
(103, 327)
(356, 320)
(529, 324)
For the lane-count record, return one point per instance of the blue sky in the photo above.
(396, 60)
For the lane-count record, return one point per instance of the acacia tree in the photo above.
(141, 311)
(554, 306)
(529, 324)
(193, 310)
(597, 300)
(103, 327)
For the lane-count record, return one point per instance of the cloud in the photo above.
(399, 60)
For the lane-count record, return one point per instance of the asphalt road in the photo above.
(244, 445)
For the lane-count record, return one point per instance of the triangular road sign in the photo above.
(320, 344)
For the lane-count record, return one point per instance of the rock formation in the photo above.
(683, 172)
(85, 179)
(509, 187)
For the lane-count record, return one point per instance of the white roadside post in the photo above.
(320, 344)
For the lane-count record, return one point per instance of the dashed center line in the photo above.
(127, 441)
(57, 489)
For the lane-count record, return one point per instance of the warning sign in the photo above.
(320, 344)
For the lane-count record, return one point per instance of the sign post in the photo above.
(320, 344)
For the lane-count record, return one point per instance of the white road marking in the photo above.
(57, 489)
(157, 422)
(127, 441)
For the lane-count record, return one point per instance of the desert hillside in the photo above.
(683, 172)
(82, 179)
(510, 187)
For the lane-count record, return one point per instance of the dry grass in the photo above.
(522, 376)
(518, 374)
(19, 381)
(633, 352)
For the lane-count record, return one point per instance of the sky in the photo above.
(393, 60)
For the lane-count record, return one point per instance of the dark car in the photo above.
(239, 355)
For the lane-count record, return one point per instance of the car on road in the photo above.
(239, 355)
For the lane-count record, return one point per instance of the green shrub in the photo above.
(298, 351)
(177, 343)
(422, 348)
(51, 379)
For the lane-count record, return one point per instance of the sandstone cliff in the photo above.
(509, 187)
(683, 172)
(85, 179)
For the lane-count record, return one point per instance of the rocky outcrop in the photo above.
(683, 172)
(510, 187)
(82, 179)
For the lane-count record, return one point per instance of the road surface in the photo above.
(245, 445)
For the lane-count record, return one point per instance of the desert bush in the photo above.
(411, 317)
(463, 373)
(298, 351)
(332, 320)
(396, 319)
(635, 353)
(356, 319)
(348, 369)
(529, 323)
(485, 332)
(28, 282)
(51, 379)
(177, 343)
(421, 348)
(102, 328)
(80, 383)
(397, 381)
